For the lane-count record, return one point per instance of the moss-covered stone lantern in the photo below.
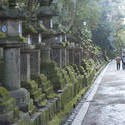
(10, 26)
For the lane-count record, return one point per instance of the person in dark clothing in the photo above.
(123, 62)
(118, 60)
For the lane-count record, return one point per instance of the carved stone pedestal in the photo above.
(22, 97)
(12, 75)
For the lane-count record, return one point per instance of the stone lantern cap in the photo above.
(12, 14)
(46, 11)
(11, 25)
(45, 2)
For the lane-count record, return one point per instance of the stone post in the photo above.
(12, 67)
(30, 61)
(63, 57)
(12, 75)
(25, 64)
(56, 55)
(35, 62)
(77, 56)
(1, 53)
(45, 54)
(71, 56)
(10, 26)
(67, 56)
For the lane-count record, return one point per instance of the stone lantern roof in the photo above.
(46, 11)
(51, 35)
(45, 2)
(11, 14)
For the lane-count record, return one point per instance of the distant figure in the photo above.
(118, 59)
(123, 62)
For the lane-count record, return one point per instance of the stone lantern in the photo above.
(11, 23)
(11, 27)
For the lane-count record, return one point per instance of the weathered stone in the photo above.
(14, 28)
(36, 119)
(67, 56)
(12, 75)
(12, 68)
(5, 118)
(77, 56)
(1, 71)
(25, 66)
(39, 98)
(35, 62)
(64, 59)
(22, 97)
(1, 53)
(71, 56)
(8, 109)
(45, 54)
(24, 120)
(56, 55)
(11, 14)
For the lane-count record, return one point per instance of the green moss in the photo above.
(50, 96)
(16, 112)
(83, 71)
(17, 38)
(76, 69)
(63, 44)
(8, 104)
(31, 85)
(88, 64)
(29, 28)
(67, 43)
(67, 108)
(44, 102)
(66, 76)
(4, 92)
(2, 35)
(54, 74)
(41, 80)
(71, 74)
(43, 27)
(32, 29)
(31, 107)
(23, 39)
(45, 84)
(35, 92)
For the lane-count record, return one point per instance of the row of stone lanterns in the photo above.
(21, 60)
(11, 26)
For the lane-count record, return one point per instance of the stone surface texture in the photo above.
(12, 68)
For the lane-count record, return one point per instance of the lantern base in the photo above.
(22, 97)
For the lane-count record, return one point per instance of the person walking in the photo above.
(118, 60)
(123, 62)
